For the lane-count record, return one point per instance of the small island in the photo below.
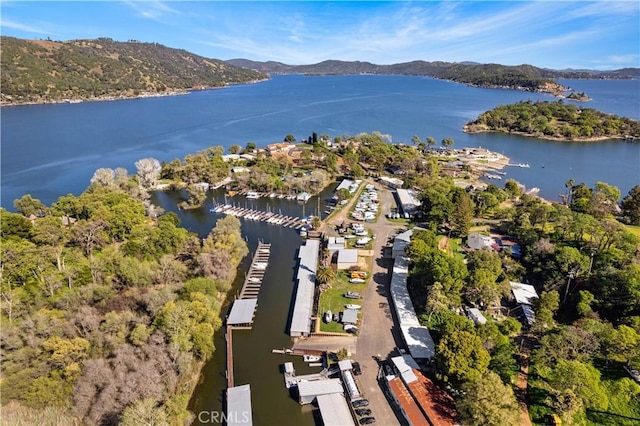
(555, 121)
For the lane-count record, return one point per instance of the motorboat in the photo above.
(311, 358)
(260, 265)
(303, 196)
(352, 306)
(328, 317)
(352, 295)
(356, 281)
(252, 195)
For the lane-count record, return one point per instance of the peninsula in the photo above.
(555, 121)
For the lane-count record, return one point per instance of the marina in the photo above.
(259, 215)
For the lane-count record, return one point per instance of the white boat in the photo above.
(252, 195)
(352, 306)
(303, 196)
(352, 295)
(356, 280)
(311, 358)
(255, 280)
(328, 317)
(260, 265)
(363, 241)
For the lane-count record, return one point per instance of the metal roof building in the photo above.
(239, 406)
(306, 276)
(334, 410)
(476, 316)
(242, 311)
(408, 200)
(308, 391)
(417, 337)
(525, 294)
(349, 316)
(347, 258)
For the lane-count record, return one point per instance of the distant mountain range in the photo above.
(433, 69)
(524, 77)
(39, 71)
(36, 71)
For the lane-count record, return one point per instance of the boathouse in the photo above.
(242, 312)
(334, 410)
(308, 391)
(239, 406)
(305, 291)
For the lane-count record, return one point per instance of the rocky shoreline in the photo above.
(475, 129)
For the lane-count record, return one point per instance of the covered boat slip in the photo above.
(242, 312)
(305, 291)
(239, 406)
(334, 410)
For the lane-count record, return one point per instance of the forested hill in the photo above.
(49, 71)
(554, 120)
(524, 77)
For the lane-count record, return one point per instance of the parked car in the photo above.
(356, 368)
(360, 403)
(367, 420)
(363, 412)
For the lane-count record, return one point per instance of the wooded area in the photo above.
(108, 306)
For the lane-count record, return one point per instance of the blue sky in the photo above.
(553, 34)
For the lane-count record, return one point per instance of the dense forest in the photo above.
(48, 71)
(109, 307)
(556, 120)
(584, 263)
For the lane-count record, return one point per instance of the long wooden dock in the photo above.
(260, 216)
(253, 280)
(229, 338)
(242, 318)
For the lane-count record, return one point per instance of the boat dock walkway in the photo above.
(259, 215)
(244, 307)
(253, 280)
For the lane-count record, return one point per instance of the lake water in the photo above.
(50, 150)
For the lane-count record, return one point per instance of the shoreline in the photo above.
(143, 95)
(466, 129)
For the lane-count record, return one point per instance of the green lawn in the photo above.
(635, 230)
(333, 299)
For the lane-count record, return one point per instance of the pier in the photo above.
(244, 307)
(260, 216)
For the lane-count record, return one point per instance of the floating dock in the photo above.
(260, 216)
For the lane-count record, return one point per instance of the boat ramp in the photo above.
(260, 216)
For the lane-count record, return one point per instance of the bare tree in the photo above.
(104, 177)
(148, 172)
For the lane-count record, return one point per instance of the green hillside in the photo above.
(554, 120)
(48, 71)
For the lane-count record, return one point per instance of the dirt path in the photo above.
(523, 376)
(378, 335)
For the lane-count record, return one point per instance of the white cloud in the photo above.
(26, 27)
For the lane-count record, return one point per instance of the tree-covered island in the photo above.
(556, 121)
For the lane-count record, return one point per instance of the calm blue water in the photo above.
(50, 150)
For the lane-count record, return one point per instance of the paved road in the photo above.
(378, 335)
